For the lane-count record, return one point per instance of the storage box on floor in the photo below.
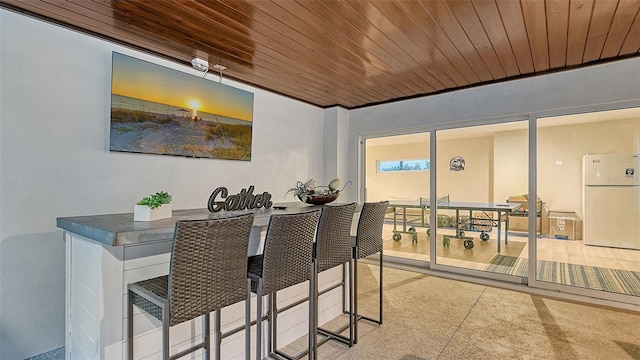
(519, 221)
(565, 225)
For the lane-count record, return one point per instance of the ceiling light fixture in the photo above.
(200, 64)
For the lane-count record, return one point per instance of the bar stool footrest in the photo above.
(278, 354)
(187, 351)
(336, 335)
(361, 317)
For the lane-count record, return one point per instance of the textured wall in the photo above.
(54, 159)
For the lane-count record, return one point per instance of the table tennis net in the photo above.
(439, 199)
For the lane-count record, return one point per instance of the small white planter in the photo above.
(145, 213)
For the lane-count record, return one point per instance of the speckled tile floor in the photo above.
(427, 317)
(57, 354)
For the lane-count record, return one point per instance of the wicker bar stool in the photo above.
(368, 241)
(207, 272)
(333, 248)
(285, 261)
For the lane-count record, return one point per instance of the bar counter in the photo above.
(105, 253)
(120, 229)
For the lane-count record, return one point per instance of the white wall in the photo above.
(472, 184)
(511, 164)
(401, 184)
(560, 157)
(55, 162)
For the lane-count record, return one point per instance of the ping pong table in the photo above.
(414, 220)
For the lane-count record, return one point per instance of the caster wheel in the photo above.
(412, 229)
(414, 238)
(397, 237)
(468, 244)
(446, 241)
(428, 232)
(484, 236)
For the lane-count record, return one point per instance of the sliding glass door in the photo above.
(587, 166)
(397, 169)
(482, 173)
(579, 233)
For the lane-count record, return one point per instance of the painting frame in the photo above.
(163, 111)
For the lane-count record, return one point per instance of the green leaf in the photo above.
(156, 200)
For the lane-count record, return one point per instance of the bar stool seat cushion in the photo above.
(157, 286)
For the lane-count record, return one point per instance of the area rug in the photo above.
(589, 277)
(510, 265)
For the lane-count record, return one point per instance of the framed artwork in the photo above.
(157, 110)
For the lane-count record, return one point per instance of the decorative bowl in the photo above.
(320, 199)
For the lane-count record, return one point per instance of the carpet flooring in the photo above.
(588, 277)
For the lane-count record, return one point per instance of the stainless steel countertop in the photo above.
(120, 229)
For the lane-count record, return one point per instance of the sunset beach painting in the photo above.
(157, 110)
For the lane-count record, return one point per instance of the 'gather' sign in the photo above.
(243, 200)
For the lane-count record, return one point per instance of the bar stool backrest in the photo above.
(369, 235)
(333, 240)
(288, 248)
(208, 268)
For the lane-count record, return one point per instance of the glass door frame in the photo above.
(533, 282)
(567, 291)
(362, 183)
(433, 200)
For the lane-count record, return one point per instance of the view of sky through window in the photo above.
(404, 165)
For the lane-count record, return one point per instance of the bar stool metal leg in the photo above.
(273, 321)
(247, 322)
(369, 242)
(381, 288)
(165, 331)
(380, 296)
(313, 312)
(130, 326)
(354, 314)
(259, 321)
(217, 318)
(351, 304)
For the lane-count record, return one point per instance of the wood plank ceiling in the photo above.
(358, 53)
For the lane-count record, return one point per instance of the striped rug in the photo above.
(510, 265)
(588, 277)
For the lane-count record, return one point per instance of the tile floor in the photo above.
(428, 317)
(550, 249)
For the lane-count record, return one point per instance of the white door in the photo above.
(612, 216)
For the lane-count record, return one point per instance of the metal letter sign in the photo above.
(243, 200)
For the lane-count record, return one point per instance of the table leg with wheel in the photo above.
(499, 230)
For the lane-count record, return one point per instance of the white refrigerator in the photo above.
(611, 200)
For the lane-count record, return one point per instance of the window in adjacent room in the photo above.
(404, 165)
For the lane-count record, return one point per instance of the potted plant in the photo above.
(153, 207)
(309, 193)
